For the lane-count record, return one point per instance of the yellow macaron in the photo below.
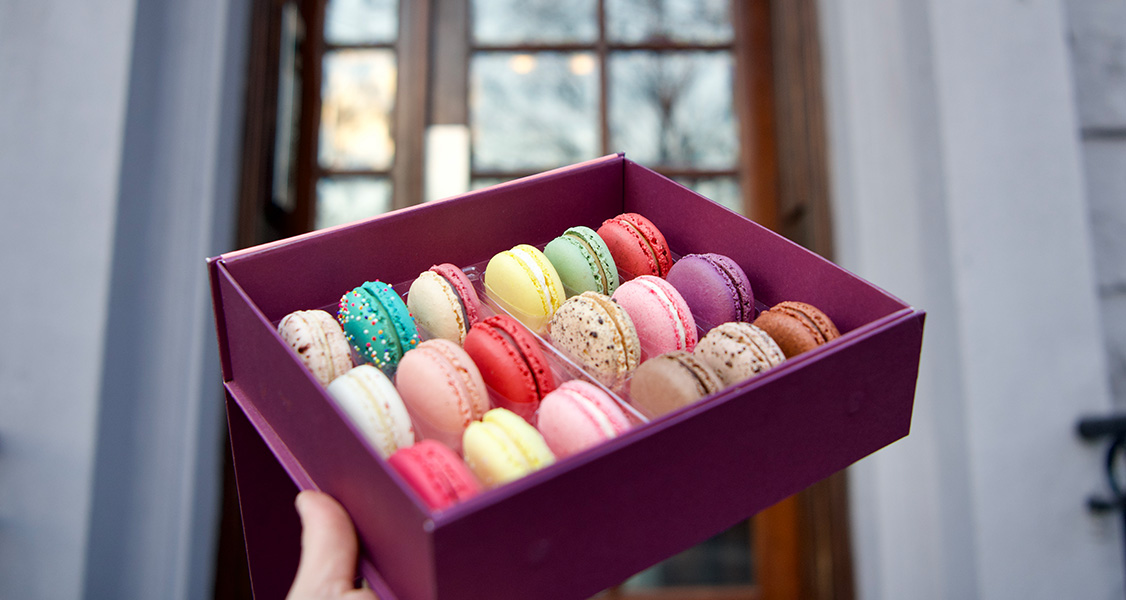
(525, 284)
(502, 447)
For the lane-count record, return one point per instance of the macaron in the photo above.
(511, 363)
(523, 282)
(503, 447)
(318, 341)
(578, 415)
(797, 327)
(443, 302)
(638, 247)
(738, 351)
(440, 477)
(599, 335)
(373, 404)
(583, 262)
(715, 288)
(443, 390)
(378, 325)
(667, 382)
(664, 321)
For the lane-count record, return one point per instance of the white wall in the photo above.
(1098, 53)
(62, 118)
(958, 185)
(120, 129)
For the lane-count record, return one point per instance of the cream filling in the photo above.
(668, 304)
(532, 265)
(595, 413)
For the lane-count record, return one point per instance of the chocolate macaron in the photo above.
(669, 381)
(797, 327)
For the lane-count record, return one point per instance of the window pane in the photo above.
(723, 560)
(533, 111)
(484, 182)
(357, 96)
(673, 109)
(685, 21)
(724, 190)
(534, 21)
(345, 199)
(361, 21)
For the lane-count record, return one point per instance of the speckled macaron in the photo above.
(737, 351)
(595, 332)
(318, 341)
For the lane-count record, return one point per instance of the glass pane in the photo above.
(288, 116)
(673, 109)
(723, 560)
(356, 101)
(724, 190)
(361, 21)
(684, 21)
(534, 21)
(533, 111)
(484, 182)
(345, 199)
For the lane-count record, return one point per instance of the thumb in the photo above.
(328, 549)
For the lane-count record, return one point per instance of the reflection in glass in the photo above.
(724, 190)
(684, 21)
(673, 109)
(723, 560)
(345, 199)
(357, 96)
(361, 21)
(533, 111)
(534, 21)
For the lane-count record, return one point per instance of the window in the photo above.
(555, 83)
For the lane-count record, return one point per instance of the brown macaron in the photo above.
(669, 381)
(797, 327)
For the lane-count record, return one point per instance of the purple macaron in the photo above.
(715, 288)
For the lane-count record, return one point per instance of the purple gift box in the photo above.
(593, 519)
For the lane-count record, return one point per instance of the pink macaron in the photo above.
(577, 416)
(663, 320)
(442, 389)
(440, 477)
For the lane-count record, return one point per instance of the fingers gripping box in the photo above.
(588, 521)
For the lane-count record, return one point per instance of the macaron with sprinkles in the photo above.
(378, 325)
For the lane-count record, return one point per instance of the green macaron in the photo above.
(583, 262)
(378, 325)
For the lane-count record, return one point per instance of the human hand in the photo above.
(327, 570)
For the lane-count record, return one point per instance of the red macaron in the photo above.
(439, 476)
(511, 363)
(638, 247)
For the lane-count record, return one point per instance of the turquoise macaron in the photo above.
(583, 261)
(378, 325)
